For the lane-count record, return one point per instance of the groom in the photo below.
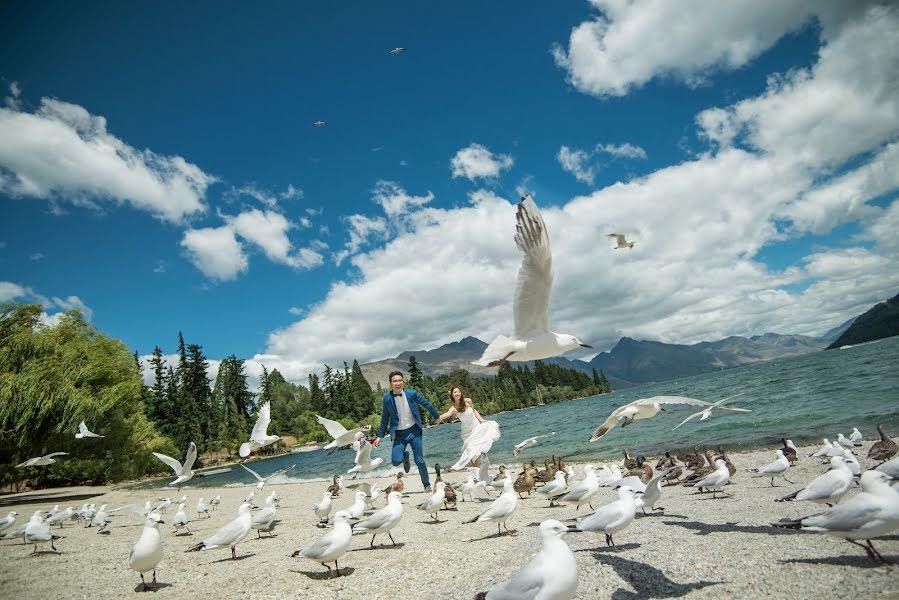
(400, 411)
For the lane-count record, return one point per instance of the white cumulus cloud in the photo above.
(477, 162)
(216, 252)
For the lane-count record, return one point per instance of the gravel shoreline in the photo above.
(696, 548)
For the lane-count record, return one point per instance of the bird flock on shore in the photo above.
(553, 572)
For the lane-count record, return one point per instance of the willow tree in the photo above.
(53, 377)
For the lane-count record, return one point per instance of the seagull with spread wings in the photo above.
(706, 412)
(529, 442)
(622, 241)
(183, 471)
(41, 461)
(532, 339)
(646, 408)
(259, 437)
(263, 480)
(364, 461)
(84, 432)
(342, 436)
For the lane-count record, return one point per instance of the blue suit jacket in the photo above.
(390, 416)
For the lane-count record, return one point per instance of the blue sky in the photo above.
(159, 169)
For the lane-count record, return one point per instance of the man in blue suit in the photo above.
(400, 411)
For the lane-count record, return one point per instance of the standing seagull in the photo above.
(611, 518)
(552, 573)
(332, 545)
(532, 339)
(259, 437)
(501, 508)
(776, 468)
(717, 479)
(84, 432)
(646, 408)
(622, 242)
(856, 436)
(146, 553)
(432, 503)
(230, 535)
(183, 472)
(383, 520)
(38, 532)
(41, 461)
(827, 488)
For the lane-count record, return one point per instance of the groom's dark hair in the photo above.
(393, 374)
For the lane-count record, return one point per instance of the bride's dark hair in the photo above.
(461, 406)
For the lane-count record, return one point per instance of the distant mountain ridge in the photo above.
(629, 363)
(880, 321)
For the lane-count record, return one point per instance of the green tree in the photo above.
(415, 377)
(363, 400)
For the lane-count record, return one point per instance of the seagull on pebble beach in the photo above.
(383, 520)
(432, 503)
(201, 509)
(501, 508)
(611, 518)
(551, 574)
(8, 521)
(532, 339)
(581, 492)
(717, 479)
(332, 545)
(827, 488)
(38, 532)
(230, 535)
(777, 468)
(215, 502)
(146, 553)
(856, 436)
(871, 513)
(323, 508)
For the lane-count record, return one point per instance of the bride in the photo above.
(478, 434)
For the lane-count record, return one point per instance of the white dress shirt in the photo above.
(403, 410)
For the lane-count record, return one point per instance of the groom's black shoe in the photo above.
(406, 465)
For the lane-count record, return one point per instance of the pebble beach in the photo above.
(697, 547)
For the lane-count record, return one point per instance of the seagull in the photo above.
(230, 535)
(182, 471)
(332, 545)
(501, 508)
(356, 509)
(777, 468)
(101, 519)
(556, 487)
(645, 408)
(611, 518)
(264, 519)
(432, 503)
(823, 450)
(856, 436)
(38, 532)
(146, 553)
(41, 461)
(532, 339)
(202, 510)
(180, 519)
(851, 462)
(582, 492)
(844, 441)
(323, 508)
(372, 493)
(259, 437)
(396, 51)
(84, 432)
(707, 412)
(530, 442)
(890, 467)
(319, 123)
(827, 488)
(653, 491)
(383, 520)
(263, 480)
(215, 502)
(717, 479)
(622, 242)
(7, 521)
(364, 461)
(341, 436)
(552, 573)
(871, 513)
(61, 517)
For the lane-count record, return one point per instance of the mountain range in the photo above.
(880, 321)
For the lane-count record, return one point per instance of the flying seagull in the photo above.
(41, 461)
(622, 242)
(263, 480)
(341, 436)
(84, 432)
(319, 123)
(645, 408)
(396, 51)
(259, 437)
(529, 442)
(183, 472)
(707, 412)
(532, 339)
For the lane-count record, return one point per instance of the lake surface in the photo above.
(803, 398)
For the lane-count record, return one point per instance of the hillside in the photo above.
(881, 321)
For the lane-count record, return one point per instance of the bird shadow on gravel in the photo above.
(152, 587)
(229, 559)
(380, 547)
(860, 561)
(492, 536)
(324, 575)
(617, 548)
(647, 581)
(707, 528)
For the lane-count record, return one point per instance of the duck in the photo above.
(449, 494)
(666, 461)
(629, 463)
(397, 486)
(334, 488)
(525, 481)
(642, 470)
(883, 450)
(673, 475)
(723, 456)
(789, 452)
(547, 474)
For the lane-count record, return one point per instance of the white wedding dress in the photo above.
(476, 437)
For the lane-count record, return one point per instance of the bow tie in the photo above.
(396, 395)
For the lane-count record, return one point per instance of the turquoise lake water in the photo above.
(803, 398)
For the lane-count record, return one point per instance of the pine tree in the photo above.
(195, 395)
(363, 402)
(415, 377)
(316, 395)
(159, 386)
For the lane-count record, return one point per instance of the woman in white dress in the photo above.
(478, 434)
